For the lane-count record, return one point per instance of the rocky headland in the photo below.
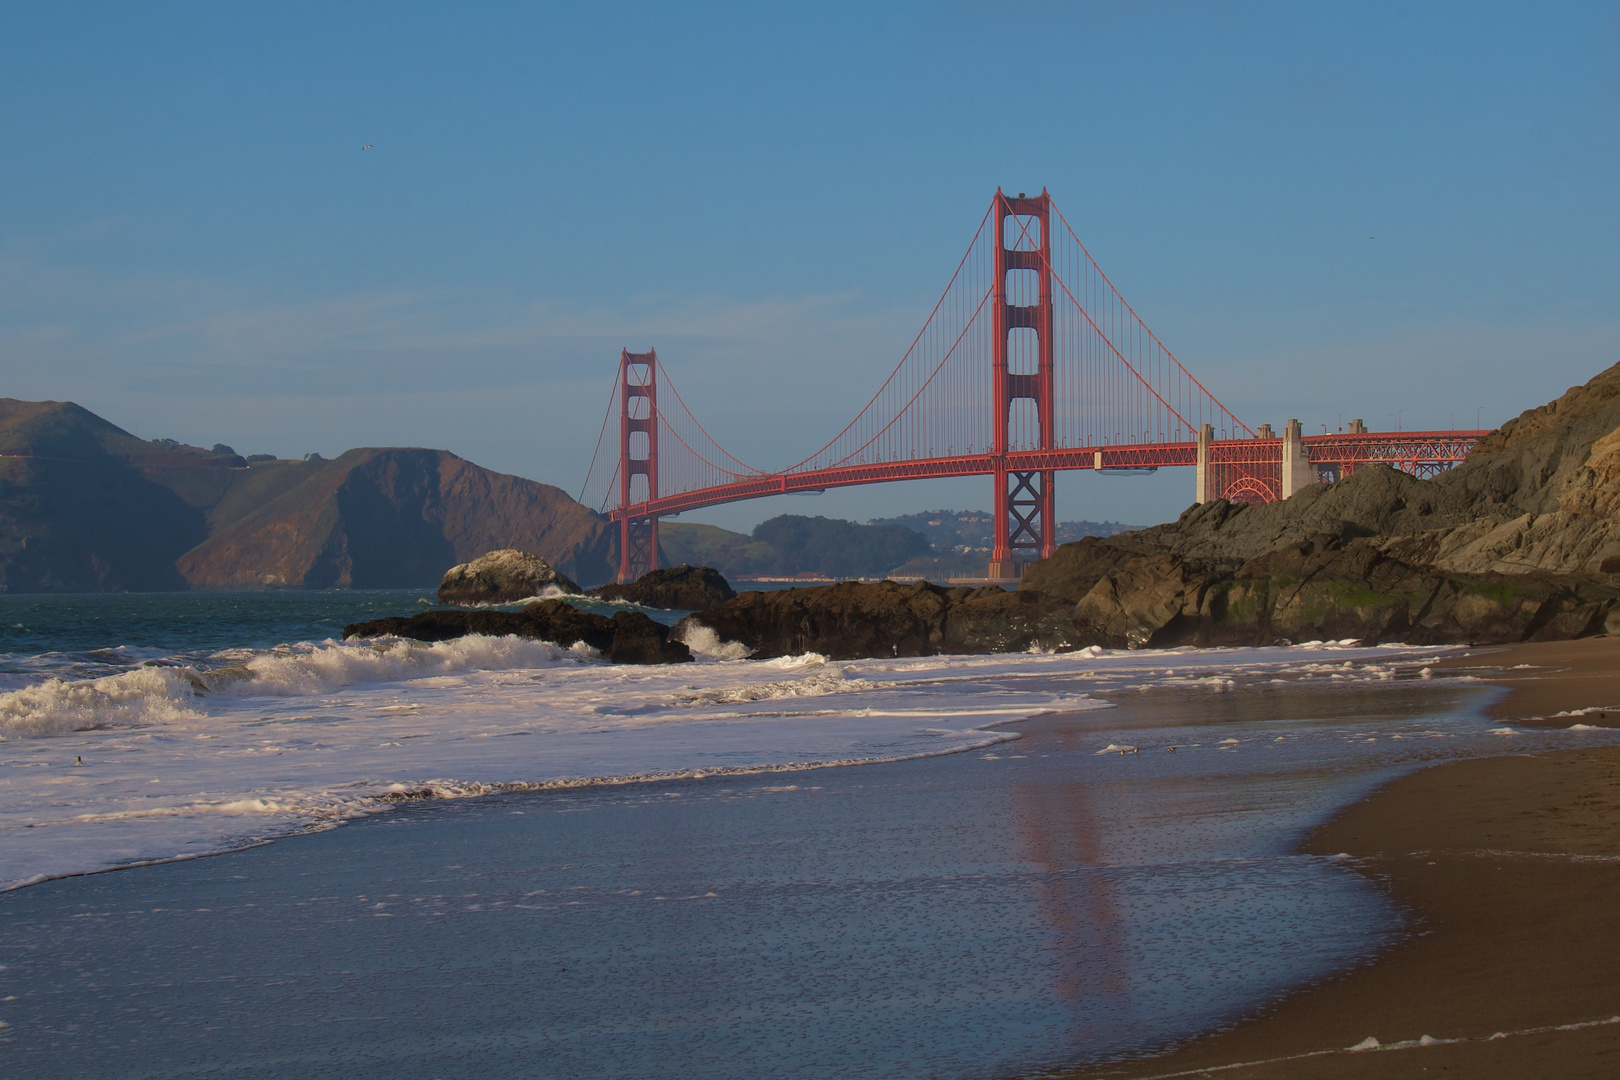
(85, 506)
(1521, 542)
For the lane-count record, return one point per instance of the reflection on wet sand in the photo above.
(990, 913)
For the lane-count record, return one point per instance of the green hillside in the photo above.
(792, 544)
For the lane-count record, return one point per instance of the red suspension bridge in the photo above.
(1031, 363)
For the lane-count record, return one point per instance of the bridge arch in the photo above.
(1249, 489)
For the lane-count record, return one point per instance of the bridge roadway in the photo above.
(1421, 452)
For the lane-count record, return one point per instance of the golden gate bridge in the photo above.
(1030, 364)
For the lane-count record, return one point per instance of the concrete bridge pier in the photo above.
(1297, 471)
(1206, 475)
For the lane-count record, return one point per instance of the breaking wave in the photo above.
(826, 681)
(301, 671)
(706, 644)
(155, 693)
(134, 698)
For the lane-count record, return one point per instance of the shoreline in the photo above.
(1509, 868)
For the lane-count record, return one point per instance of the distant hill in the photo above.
(86, 506)
(937, 545)
(962, 539)
(734, 554)
(387, 518)
(794, 544)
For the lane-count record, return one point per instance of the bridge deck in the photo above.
(1420, 451)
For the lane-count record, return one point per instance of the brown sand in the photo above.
(1510, 868)
(1549, 677)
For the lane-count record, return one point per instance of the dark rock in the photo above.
(992, 620)
(851, 620)
(500, 577)
(842, 621)
(627, 638)
(1074, 569)
(1132, 607)
(688, 588)
(1321, 589)
(639, 640)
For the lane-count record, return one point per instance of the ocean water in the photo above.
(662, 873)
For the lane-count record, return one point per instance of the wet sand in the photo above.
(1510, 869)
(1546, 678)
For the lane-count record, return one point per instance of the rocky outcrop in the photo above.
(687, 588)
(501, 577)
(1520, 542)
(1325, 590)
(853, 620)
(629, 637)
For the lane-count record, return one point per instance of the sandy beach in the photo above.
(1510, 870)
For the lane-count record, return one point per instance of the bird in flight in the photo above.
(366, 147)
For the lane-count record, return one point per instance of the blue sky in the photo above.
(194, 245)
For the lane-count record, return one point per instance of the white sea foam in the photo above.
(706, 644)
(154, 693)
(329, 666)
(179, 762)
(145, 695)
(826, 681)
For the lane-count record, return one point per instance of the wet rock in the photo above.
(1001, 621)
(639, 640)
(842, 622)
(688, 588)
(852, 620)
(1075, 569)
(1128, 609)
(630, 637)
(500, 577)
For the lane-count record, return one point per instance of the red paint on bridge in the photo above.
(1030, 364)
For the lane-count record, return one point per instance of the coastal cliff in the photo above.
(1520, 542)
(395, 518)
(87, 507)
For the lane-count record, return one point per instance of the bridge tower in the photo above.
(638, 416)
(1021, 360)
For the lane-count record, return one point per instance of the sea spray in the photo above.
(321, 668)
(706, 644)
(145, 695)
(156, 693)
